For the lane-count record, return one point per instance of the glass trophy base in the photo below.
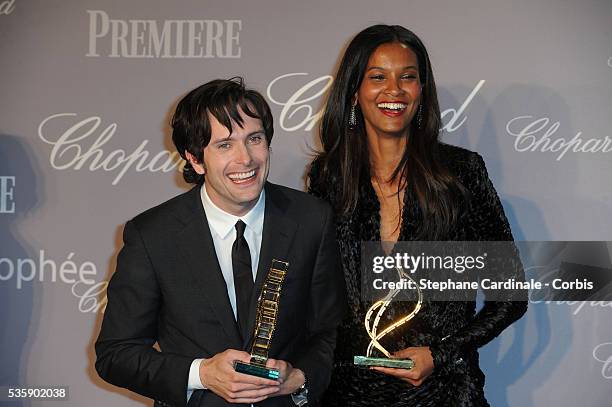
(255, 370)
(383, 362)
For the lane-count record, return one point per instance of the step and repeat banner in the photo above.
(88, 88)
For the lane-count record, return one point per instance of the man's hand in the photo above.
(217, 374)
(423, 365)
(291, 379)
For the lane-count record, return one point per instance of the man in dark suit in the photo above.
(191, 270)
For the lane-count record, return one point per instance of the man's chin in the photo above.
(248, 189)
(247, 197)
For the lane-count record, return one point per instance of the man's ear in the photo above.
(197, 166)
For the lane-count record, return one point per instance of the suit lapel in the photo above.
(278, 233)
(196, 245)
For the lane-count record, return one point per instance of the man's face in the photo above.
(235, 165)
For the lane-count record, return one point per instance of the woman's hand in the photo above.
(423, 365)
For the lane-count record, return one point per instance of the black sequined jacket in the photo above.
(452, 330)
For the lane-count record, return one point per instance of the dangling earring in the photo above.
(419, 116)
(352, 121)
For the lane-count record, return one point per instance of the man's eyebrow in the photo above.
(223, 139)
(260, 131)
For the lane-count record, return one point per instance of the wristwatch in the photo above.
(300, 396)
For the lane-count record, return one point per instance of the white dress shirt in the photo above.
(223, 231)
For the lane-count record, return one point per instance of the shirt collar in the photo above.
(222, 223)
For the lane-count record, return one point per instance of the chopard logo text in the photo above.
(603, 353)
(539, 135)
(298, 114)
(7, 7)
(80, 146)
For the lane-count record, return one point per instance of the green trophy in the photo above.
(265, 323)
(379, 308)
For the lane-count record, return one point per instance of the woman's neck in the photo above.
(385, 154)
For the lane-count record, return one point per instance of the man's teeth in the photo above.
(392, 106)
(242, 175)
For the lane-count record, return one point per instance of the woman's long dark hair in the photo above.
(345, 157)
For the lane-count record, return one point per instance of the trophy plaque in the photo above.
(265, 323)
(379, 308)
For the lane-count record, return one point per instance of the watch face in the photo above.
(300, 399)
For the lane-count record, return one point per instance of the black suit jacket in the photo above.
(168, 288)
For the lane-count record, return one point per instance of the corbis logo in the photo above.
(7, 7)
(536, 134)
(7, 196)
(297, 112)
(79, 144)
(162, 39)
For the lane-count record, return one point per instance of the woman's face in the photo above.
(390, 92)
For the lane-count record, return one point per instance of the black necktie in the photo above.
(243, 277)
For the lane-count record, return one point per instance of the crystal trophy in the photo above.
(375, 312)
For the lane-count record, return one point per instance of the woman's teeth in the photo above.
(392, 106)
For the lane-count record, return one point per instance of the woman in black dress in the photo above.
(389, 178)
